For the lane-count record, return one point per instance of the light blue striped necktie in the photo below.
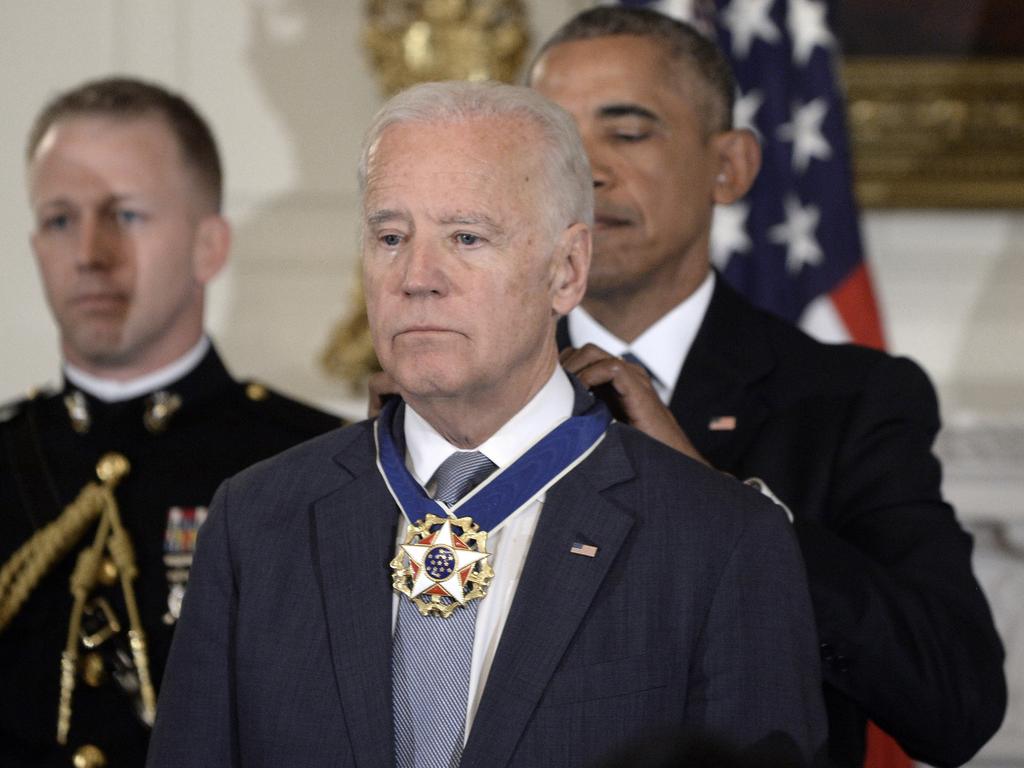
(431, 656)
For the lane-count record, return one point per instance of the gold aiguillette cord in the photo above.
(110, 536)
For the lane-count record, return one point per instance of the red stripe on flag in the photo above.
(883, 751)
(854, 300)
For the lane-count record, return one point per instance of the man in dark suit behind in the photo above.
(621, 588)
(841, 435)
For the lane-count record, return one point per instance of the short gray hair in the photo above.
(125, 99)
(567, 170)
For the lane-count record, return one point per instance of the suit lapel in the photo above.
(555, 592)
(716, 399)
(353, 538)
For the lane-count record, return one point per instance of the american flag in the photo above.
(587, 550)
(793, 245)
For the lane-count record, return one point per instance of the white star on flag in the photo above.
(797, 234)
(808, 28)
(805, 133)
(748, 20)
(744, 113)
(464, 558)
(729, 232)
(784, 57)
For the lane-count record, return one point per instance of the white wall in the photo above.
(952, 291)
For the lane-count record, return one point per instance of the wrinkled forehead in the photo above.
(482, 157)
(90, 135)
(507, 138)
(95, 155)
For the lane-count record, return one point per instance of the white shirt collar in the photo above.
(426, 449)
(110, 391)
(663, 347)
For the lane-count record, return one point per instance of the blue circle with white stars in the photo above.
(439, 563)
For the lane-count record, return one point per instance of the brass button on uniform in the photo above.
(89, 756)
(93, 671)
(256, 392)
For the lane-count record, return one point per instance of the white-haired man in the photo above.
(595, 588)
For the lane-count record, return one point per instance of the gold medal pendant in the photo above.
(442, 565)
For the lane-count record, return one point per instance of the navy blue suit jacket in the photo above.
(694, 614)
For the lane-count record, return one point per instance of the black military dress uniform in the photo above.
(181, 443)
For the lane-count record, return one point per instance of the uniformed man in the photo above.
(125, 187)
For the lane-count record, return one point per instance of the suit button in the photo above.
(89, 756)
(827, 653)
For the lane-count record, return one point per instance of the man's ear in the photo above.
(739, 160)
(211, 247)
(570, 267)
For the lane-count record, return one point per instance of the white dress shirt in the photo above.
(509, 542)
(662, 348)
(110, 391)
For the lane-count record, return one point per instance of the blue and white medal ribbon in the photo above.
(456, 537)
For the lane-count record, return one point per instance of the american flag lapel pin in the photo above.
(587, 550)
(722, 424)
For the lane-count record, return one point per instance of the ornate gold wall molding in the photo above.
(415, 41)
(937, 133)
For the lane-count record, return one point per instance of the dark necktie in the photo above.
(629, 357)
(431, 656)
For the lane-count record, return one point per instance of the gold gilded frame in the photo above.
(937, 132)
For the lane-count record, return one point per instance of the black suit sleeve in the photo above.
(905, 630)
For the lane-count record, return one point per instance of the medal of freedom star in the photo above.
(440, 569)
